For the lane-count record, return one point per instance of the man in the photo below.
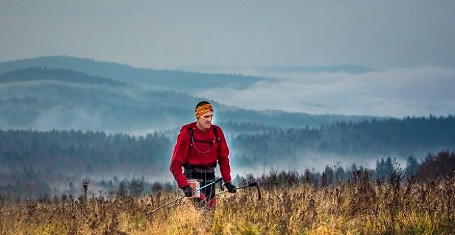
(200, 146)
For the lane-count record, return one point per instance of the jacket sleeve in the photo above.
(179, 157)
(223, 157)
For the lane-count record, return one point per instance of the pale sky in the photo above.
(409, 43)
(176, 34)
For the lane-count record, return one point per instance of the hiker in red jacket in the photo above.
(200, 146)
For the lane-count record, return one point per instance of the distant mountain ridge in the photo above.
(353, 69)
(62, 75)
(343, 68)
(161, 79)
(40, 98)
(71, 93)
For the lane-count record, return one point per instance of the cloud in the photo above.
(419, 91)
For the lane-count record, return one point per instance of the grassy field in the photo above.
(360, 206)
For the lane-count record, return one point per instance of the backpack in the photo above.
(192, 139)
(190, 169)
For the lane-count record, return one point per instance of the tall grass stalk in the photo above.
(359, 206)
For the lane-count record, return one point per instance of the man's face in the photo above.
(204, 122)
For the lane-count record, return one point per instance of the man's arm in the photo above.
(179, 156)
(223, 156)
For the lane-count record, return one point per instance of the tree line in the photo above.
(403, 137)
(84, 152)
(40, 156)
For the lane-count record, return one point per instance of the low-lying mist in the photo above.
(403, 92)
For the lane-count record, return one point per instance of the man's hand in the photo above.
(230, 187)
(188, 191)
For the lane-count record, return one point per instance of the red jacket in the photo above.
(203, 154)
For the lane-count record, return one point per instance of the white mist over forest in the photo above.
(391, 93)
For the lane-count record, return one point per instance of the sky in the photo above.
(409, 43)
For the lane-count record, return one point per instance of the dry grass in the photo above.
(358, 207)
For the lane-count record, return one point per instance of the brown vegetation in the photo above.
(359, 206)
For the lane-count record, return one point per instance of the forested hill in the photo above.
(83, 153)
(349, 142)
(187, 82)
(59, 75)
(98, 153)
(45, 99)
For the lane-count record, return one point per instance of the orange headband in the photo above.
(203, 109)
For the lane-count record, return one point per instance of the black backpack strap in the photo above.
(190, 130)
(215, 131)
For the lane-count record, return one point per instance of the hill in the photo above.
(59, 75)
(359, 143)
(159, 79)
(47, 93)
(45, 99)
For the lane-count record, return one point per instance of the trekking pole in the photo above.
(253, 184)
(173, 201)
